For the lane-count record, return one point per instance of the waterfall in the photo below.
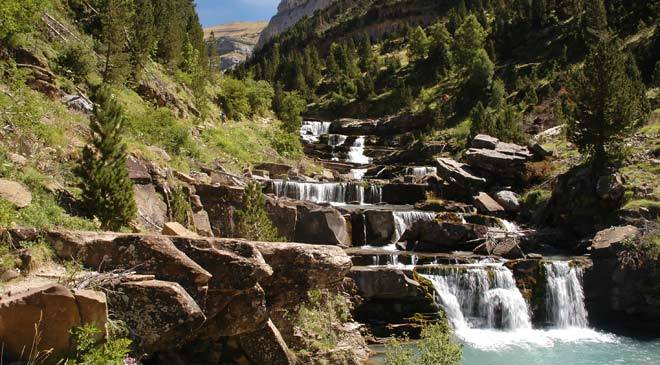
(327, 192)
(312, 130)
(334, 141)
(356, 153)
(481, 297)
(405, 220)
(421, 171)
(358, 174)
(564, 295)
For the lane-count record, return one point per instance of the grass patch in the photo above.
(635, 205)
(317, 320)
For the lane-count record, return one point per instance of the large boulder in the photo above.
(384, 283)
(435, 236)
(137, 170)
(50, 312)
(152, 209)
(275, 170)
(314, 267)
(324, 225)
(380, 226)
(500, 165)
(508, 200)
(161, 315)
(404, 193)
(283, 213)
(484, 141)
(487, 205)
(220, 201)
(509, 248)
(459, 177)
(177, 229)
(145, 254)
(267, 346)
(608, 242)
(15, 193)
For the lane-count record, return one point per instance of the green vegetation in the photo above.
(435, 347)
(252, 222)
(318, 319)
(107, 192)
(610, 100)
(90, 352)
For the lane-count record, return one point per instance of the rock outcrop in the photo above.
(183, 290)
(289, 12)
(15, 193)
(49, 312)
(233, 42)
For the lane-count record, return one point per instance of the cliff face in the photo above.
(289, 12)
(234, 41)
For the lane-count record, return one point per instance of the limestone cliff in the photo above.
(289, 12)
(234, 41)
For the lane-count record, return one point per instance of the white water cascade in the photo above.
(421, 171)
(328, 192)
(405, 220)
(564, 295)
(483, 296)
(312, 130)
(334, 141)
(356, 152)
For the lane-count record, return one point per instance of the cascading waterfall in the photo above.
(481, 297)
(356, 152)
(312, 130)
(405, 220)
(358, 174)
(327, 192)
(334, 141)
(564, 295)
(421, 171)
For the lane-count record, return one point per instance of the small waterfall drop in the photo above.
(327, 192)
(421, 171)
(356, 153)
(334, 141)
(358, 174)
(405, 220)
(564, 295)
(312, 130)
(483, 296)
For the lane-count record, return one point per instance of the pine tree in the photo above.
(144, 35)
(116, 19)
(107, 192)
(440, 55)
(595, 15)
(418, 45)
(252, 222)
(469, 39)
(610, 100)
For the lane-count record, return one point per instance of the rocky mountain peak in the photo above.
(289, 12)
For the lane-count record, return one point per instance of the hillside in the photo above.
(233, 42)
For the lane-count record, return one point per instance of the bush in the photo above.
(435, 347)
(318, 318)
(77, 61)
(244, 98)
(290, 110)
(533, 202)
(18, 16)
(160, 127)
(90, 352)
(252, 222)
(287, 144)
(180, 206)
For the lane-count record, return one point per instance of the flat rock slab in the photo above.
(15, 193)
(608, 242)
(487, 205)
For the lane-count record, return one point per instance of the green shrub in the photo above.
(18, 16)
(286, 144)
(435, 347)
(317, 320)
(180, 206)
(90, 352)
(160, 127)
(532, 202)
(77, 61)
(252, 222)
(244, 98)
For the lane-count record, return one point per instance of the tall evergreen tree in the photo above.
(116, 19)
(144, 34)
(107, 192)
(469, 39)
(610, 100)
(440, 55)
(418, 44)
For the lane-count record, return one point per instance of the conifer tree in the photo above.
(418, 44)
(116, 18)
(610, 100)
(107, 192)
(144, 34)
(252, 222)
(469, 39)
(440, 55)
(595, 15)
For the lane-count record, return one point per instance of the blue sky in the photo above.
(212, 12)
